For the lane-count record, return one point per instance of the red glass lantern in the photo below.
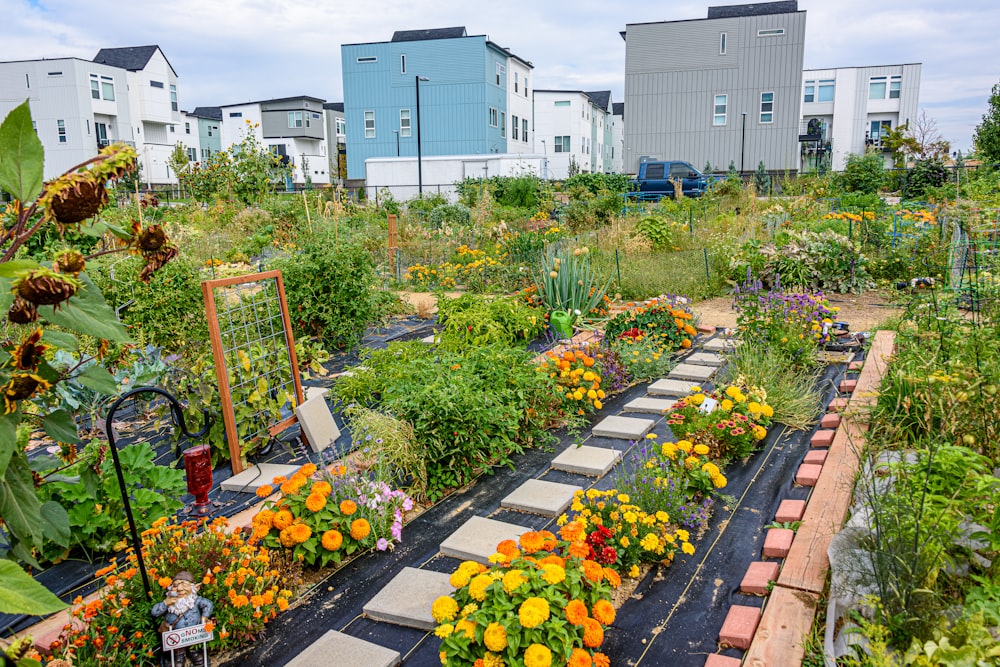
(198, 465)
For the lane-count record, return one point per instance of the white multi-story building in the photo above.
(851, 109)
(570, 131)
(617, 137)
(519, 138)
(291, 127)
(78, 106)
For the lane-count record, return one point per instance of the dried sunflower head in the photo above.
(30, 352)
(20, 387)
(155, 260)
(22, 312)
(45, 287)
(69, 261)
(79, 195)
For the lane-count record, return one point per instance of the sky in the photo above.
(231, 51)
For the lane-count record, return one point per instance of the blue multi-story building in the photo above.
(470, 91)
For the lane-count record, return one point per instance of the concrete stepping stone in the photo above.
(407, 599)
(692, 372)
(652, 406)
(540, 497)
(739, 627)
(625, 428)
(477, 539)
(586, 460)
(257, 476)
(335, 649)
(429, 340)
(720, 344)
(704, 359)
(668, 387)
(758, 576)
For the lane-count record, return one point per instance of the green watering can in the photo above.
(561, 323)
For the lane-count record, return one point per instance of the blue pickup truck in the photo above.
(654, 180)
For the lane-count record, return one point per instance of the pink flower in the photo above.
(382, 544)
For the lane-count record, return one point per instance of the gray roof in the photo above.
(212, 113)
(618, 108)
(432, 33)
(600, 98)
(131, 58)
(756, 9)
(334, 106)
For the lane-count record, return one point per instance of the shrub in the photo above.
(597, 183)
(473, 320)
(331, 291)
(449, 214)
(924, 177)
(862, 173)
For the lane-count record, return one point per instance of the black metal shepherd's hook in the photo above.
(175, 408)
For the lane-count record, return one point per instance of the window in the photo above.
(95, 87)
(404, 123)
(61, 125)
(679, 170)
(876, 88)
(562, 144)
(156, 84)
(368, 59)
(503, 124)
(27, 80)
(187, 128)
(515, 127)
(722, 43)
(369, 125)
(720, 109)
(879, 130)
(895, 84)
(517, 77)
(339, 125)
(561, 103)
(192, 154)
(173, 97)
(295, 119)
(772, 32)
(767, 107)
(402, 63)
(524, 129)
(205, 154)
(525, 86)
(494, 117)
(173, 129)
(236, 114)
(210, 128)
(501, 74)
(55, 73)
(655, 170)
(826, 87)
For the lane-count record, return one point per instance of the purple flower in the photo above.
(382, 544)
(407, 505)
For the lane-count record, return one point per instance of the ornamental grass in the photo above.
(248, 584)
(542, 603)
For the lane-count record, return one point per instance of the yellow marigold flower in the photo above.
(687, 548)
(669, 450)
(691, 461)
(331, 540)
(493, 660)
(461, 576)
(513, 580)
(315, 502)
(603, 612)
(732, 392)
(444, 609)
(662, 516)
(683, 535)
(685, 446)
(767, 411)
(624, 542)
(719, 481)
(533, 612)
(650, 542)
(360, 529)
(467, 627)
(553, 574)
(478, 586)
(633, 571)
(598, 405)
(537, 655)
(444, 631)
(624, 498)
(759, 432)
(754, 407)
(495, 637)
(696, 399)
(726, 404)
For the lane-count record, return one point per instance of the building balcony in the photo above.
(815, 130)
(876, 144)
(104, 143)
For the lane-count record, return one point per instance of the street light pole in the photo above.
(743, 142)
(420, 166)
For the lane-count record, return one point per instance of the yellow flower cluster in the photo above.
(573, 370)
(854, 217)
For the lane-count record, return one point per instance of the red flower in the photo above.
(607, 556)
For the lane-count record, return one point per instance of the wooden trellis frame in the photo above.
(250, 327)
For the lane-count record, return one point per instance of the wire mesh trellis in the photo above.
(255, 361)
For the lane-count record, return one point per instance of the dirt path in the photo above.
(862, 311)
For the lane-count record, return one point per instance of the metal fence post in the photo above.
(708, 275)
(618, 268)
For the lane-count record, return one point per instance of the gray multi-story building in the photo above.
(719, 90)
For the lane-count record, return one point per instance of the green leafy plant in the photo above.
(658, 230)
(567, 282)
(472, 319)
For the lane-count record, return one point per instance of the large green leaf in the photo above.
(20, 594)
(99, 379)
(19, 506)
(55, 523)
(87, 312)
(8, 440)
(61, 339)
(21, 155)
(6, 296)
(15, 267)
(61, 426)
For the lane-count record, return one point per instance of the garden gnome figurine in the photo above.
(183, 608)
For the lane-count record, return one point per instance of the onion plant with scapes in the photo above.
(543, 602)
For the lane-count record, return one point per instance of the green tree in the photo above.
(178, 160)
(987, 137)
(863, 173)
(246, 171)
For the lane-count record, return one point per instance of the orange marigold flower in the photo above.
(579, 549)
(593, 571)
(286, 539)
(348, 507)
(593, 633)
(282, 519)
(508, 548)
(164, 582)
(265, 491)
(307, 469)
(548, 540)
(613, 577)
(322, 488)
(531, 542)
(686, 343)
(105, 570)
(360, 529)
(315, 502)
(331, 540)
(604, 612)
(601, 660)
(572, 531)
(579, 658)
(552, 559)
(283, 604)
(576, 612)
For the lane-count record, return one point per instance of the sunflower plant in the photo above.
(541, 603)
(323, 517)
(49, 303)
